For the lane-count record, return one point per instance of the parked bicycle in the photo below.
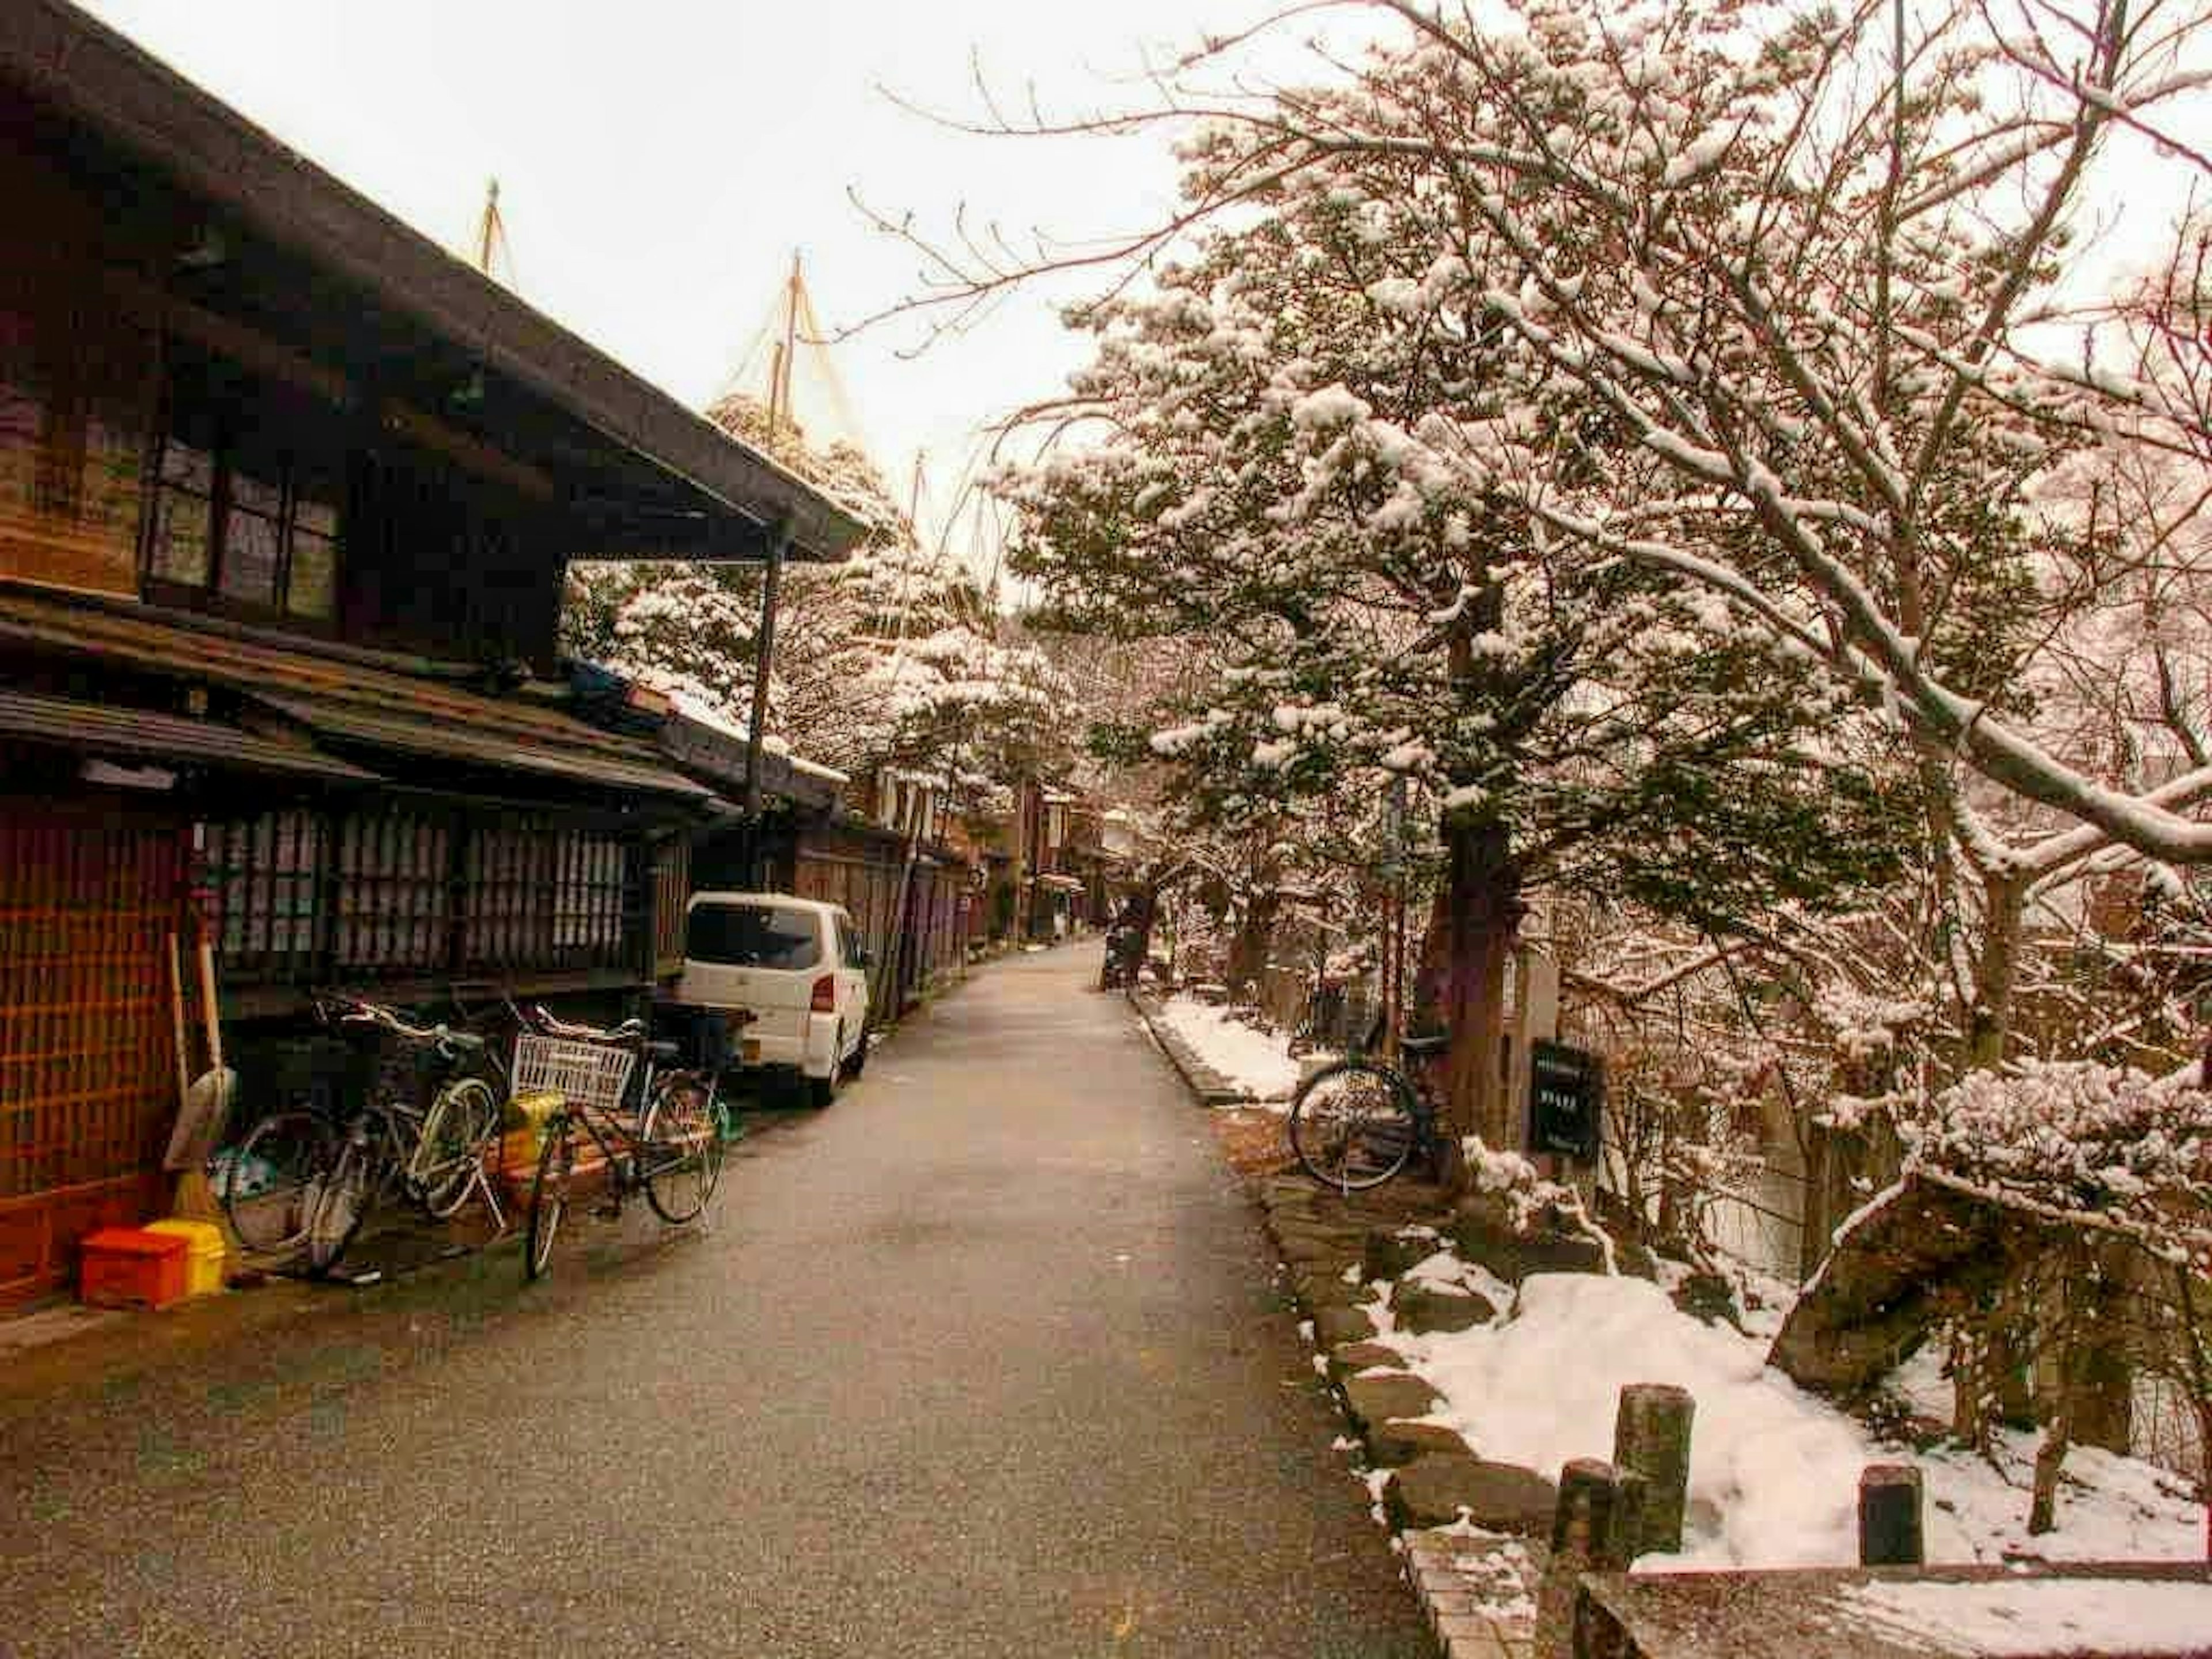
(666, 1141)
(1356, 1123)
(304, 1177)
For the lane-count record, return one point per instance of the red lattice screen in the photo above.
(88, 1070)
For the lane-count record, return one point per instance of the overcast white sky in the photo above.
(658, 162)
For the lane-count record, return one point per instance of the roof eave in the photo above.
(99, 78)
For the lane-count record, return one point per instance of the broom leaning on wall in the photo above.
(203, 1102)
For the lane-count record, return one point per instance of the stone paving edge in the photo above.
(1461, 1630)
(1211, 1089)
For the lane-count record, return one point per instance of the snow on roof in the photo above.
(695, 707)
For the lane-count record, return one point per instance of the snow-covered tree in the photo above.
(891, 659)
(1816, 271)
(1267, 461)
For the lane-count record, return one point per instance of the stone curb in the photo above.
(1212, 1088)
(1436, 1559)
(1448, 1569)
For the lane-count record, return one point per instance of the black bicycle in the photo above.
(1358, 1123)
(669, 1146)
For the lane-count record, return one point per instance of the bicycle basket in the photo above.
(585, 1073)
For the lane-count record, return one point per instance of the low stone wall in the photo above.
(1479, 1592)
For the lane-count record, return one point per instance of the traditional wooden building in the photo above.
(286, 498)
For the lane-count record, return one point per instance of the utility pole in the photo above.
(779, 378)
(756, 726)
(779, 546)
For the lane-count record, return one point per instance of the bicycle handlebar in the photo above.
(630, 1030)
(371, 1013)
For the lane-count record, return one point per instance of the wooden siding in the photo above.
(78, 385)
(90, 899)
(911, 910)
(671, 887)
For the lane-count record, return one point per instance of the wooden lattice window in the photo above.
(589, 886)
(264, 876)
(541, 897)
(510, 898)
(89, 904)
(394, 892)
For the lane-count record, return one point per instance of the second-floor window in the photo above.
(244, 504)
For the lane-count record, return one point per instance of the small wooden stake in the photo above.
(1586, 1537)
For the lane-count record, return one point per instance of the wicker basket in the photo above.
(583, 1073)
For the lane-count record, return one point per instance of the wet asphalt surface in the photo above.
(987, 1359)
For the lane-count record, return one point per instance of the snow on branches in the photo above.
(2081, 1140)
(892, 658)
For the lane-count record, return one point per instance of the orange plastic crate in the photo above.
(130, 1267)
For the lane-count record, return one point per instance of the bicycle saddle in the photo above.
(1421, 1047)
(663, 1053)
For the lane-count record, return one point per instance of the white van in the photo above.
(792, 974)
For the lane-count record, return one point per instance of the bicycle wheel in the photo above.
(549, 1197)
(340, 1200)
(460, 1122)
(681, 1161)
(1354, 1124)
(267, 1183)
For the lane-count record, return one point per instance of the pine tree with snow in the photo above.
(1279, 475)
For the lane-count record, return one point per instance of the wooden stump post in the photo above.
(1889, 1516)
(1586, 1537)
(1652, 1435)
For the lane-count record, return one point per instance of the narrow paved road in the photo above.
(986, 1360)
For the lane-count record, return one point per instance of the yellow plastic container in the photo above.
(204, 1253)
(532, 1107)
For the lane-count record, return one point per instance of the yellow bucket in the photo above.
(204, 1253)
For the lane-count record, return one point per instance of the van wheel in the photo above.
(824, 1090)
(859, 1063)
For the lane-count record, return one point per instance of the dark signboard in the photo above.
(1566, 1100)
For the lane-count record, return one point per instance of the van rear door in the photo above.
(757, 955)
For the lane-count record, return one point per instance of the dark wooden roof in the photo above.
(705, 493)
(105, 731)
(369, 712)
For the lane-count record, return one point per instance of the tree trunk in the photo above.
(1989, 1021)
(2050, 1459)
(1255, 933)
(1472, 926)
(2103, 1383)
(1141, 909)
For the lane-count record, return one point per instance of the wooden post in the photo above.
(756, 728)
(1889, 1516)
(1586, 1537)
(1652, 1435)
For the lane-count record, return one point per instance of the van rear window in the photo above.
(752, 936)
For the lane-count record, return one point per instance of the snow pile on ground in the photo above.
(1774, 1471)
(1259, 1062)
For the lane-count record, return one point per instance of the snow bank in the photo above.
(1256, 1061)
(1773, 1471)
